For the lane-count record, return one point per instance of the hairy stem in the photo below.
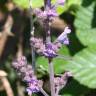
(43, 92)
(51, 72)
(32, 33)
(51, 68)
(47, 6)
(47, 3)
(57, 91)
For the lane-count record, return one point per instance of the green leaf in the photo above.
(84, 25)
(71, 2)
(83, 67)
(87, 37)
(67, 5)
(84, 17)
(25, 3)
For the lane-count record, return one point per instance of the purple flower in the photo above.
(48, 14)
(63, 38)
(49, 50)
(32, 89)
(52, 13)
(61, 81)
(32, 86)
(36, 42)
(40, 14)
(61, 2)
(27, 74)
(20, 62)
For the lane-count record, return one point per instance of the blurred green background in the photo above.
(80, 16)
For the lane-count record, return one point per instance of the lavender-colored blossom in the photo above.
(32, 86)
(20, 62)
(61, 81)
(47, 50)
(51, 13)
(48, 13)
(37, 43)
(63, 38)
(61, 2)
(40, 14)
(50, 50)
(58, 44)
(27, 74)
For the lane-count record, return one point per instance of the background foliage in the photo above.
(80, 16)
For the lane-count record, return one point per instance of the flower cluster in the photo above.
(45, 15)
(50, 11)
(61, 81)
(25, 71)
(50, 49)
(38, 44)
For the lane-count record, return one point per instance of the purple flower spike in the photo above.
(32, 86)
(25, 71)
(47, 14)
(20, 62)
(61, 2)
(49, 50)
(63, 38)
(52, 13)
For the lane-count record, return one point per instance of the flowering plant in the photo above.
(46, 48)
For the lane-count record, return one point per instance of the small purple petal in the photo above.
(63, 37)
(52, 13)
(67, 30)
(61, 2)
(49, 51)
(29, 91)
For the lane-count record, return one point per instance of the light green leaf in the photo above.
(87, 37)
(83, 67)
(84, 25)
(25, 3)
